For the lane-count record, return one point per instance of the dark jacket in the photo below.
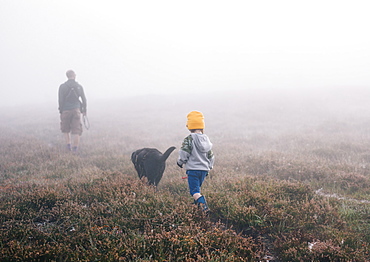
(69, 94)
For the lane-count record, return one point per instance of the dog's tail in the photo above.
(167, 153)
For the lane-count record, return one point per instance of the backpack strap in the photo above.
(71, 88)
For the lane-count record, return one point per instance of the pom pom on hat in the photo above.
(195, 120)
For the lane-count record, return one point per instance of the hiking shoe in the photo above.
(202, 203)
(75, 150)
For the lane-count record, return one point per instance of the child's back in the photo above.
(197, 156)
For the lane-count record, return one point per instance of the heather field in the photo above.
(291, 180)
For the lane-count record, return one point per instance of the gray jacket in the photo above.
(196, 153)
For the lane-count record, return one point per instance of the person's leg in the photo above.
(196, 196)
(67, 138)
(76, 128)
(201, 201)
(75, 142)
(195, 181)
(65, 118)
(194, 184)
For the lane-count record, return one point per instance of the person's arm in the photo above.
(84, 102)
(185, 151)
(211, 157)
(60, 99)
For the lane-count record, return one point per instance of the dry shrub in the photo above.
(271, 156)
(288, 214)
(353, 182)
(116, 217)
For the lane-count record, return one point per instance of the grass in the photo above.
(272, 155)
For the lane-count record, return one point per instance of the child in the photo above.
(197, 156)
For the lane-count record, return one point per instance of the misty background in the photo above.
(121, 49)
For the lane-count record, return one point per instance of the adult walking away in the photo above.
(197, 156)
(70, 108)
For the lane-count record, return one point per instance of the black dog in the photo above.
(150, 163)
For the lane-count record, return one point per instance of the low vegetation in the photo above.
(291, 182)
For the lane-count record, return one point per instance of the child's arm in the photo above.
(211, 157)
(185, 151)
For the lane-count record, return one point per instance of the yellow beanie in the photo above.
(195, 120)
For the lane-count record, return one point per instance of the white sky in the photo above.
(121, 48)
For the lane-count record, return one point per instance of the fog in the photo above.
(132, 48)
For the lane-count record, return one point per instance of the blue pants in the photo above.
(195, 180)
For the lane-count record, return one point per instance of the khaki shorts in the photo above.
(71, 121)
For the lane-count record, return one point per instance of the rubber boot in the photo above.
(202, 203)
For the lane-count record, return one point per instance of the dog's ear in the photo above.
(167, 153)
